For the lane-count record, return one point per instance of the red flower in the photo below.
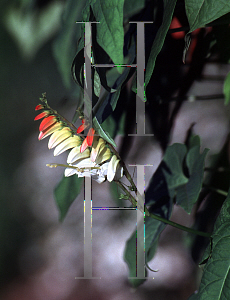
(41, 115)
(82, 127)
(88, 141)
(90, 136)
(39, 106)
(47, 122)
(49, 130)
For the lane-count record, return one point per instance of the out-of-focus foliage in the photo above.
(32, 28)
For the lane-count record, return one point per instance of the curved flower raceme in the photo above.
(89, 156)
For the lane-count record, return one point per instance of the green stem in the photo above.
(158, 218)
(221, 192)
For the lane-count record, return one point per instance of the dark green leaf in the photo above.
(153, 228)
(112, 127)
(108, 104)
(102, 133)
(174, 156)
(227, 89)
(202, 12)
(132, 7)
(157, 196)
(186, 188)
(194, 140)
(66, 192)
(110, 32)
(169, 6)
(130, 258)
(187, 194)
(97, 84)
(215, 282)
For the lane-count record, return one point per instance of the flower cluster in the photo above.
(89, 156)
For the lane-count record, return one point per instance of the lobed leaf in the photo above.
(185, 187)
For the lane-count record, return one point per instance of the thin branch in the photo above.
(158, 218)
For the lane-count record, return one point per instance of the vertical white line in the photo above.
(88, 229)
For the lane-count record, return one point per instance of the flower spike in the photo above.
(89, 156)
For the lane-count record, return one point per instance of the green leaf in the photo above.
(202, 12)
(132, 7)
(102, 133)
(215, 282)
(97, 84)
(174, 156)
(110, 32)
(153, 229)
(117, 81)
(227, 89)
(65, 43)
(114, 127)
(194, 141)
(66, 192)
(169, 6)
(187, 194)
(186, 188)
(130, 258)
